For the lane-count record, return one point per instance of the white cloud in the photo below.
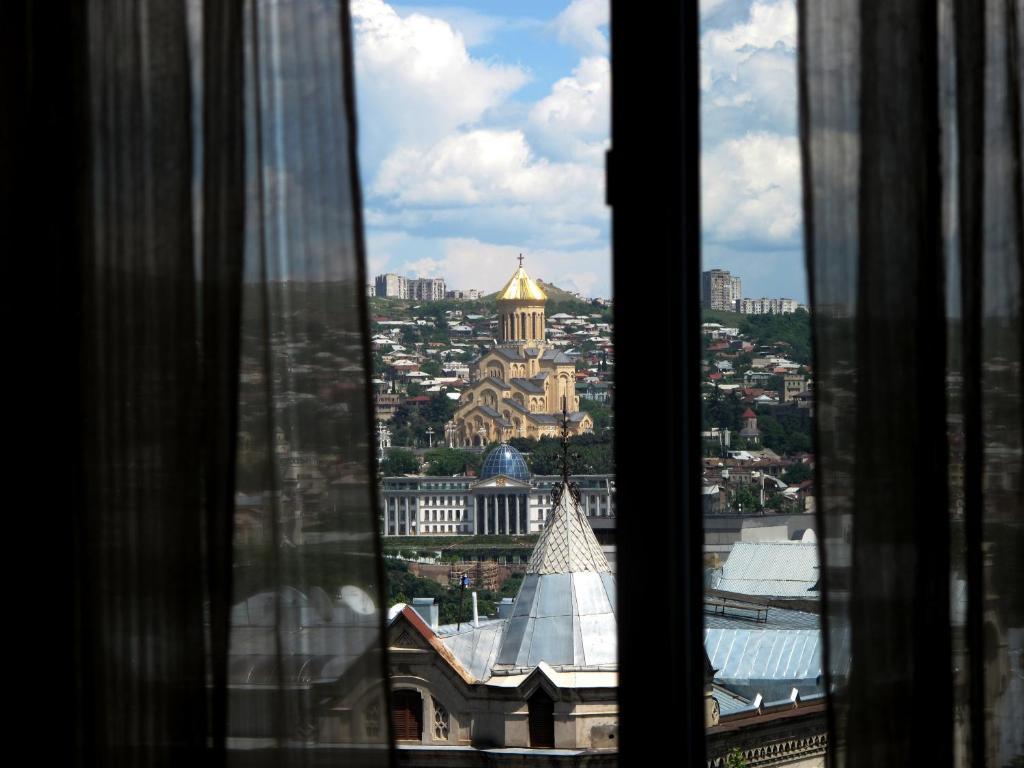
(474, 27)
(751, 190)
(486, 167)
(580, 25)
(748, 72)
(573, 120)
(455, 167)
(416, 79)
(768, 24)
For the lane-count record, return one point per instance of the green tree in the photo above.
(723, 411)
(599, 412)
(735, 759)
(785, 433)
(399, 462)
(410, 335)
(450, 461)
(431, 368)
(793, 330)
(744, 499)
(797, 473)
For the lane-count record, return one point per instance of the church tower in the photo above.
(521, 310)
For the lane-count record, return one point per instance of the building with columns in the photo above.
(519, 385)
(504, 499)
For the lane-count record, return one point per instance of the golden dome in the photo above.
(521, 288)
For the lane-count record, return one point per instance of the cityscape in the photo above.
(494, 438)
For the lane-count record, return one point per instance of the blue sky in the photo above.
(483, 128)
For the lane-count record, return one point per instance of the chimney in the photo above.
(476, 616)
(426, 607)
(505, 608)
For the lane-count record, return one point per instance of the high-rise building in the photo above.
(426, 288)
(765, 306)
(719, 289)
(392, 286)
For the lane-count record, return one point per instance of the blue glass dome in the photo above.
(505, 460)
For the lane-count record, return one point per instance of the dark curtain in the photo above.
(188, 172)
(911, 130)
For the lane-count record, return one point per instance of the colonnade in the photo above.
(523, 325)
(501, 514)
(399, 520)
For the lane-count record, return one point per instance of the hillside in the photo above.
(553, 291)
(728, 319)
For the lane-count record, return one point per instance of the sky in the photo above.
(483, 129)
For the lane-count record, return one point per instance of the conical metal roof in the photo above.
(521, 287)
(567, 544)
(564, 614)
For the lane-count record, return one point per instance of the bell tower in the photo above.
(521, 310)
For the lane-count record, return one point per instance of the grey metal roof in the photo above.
(775, 618)
(510, 353)
(320, 638)
(476, 648)
(729, 702)
(774, 661)
(556, 356)
(488, 411)
(564, 613)
(562, 619)
(767, 661)
(775, 568)
(528, 385)
(495, 381)
(516, 405)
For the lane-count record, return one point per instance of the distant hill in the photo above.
(728, 319)
(553, 291)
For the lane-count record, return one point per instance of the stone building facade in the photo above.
(520, 385)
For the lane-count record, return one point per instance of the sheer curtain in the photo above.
(190, 172)
(911, 130)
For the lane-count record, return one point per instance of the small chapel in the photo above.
(520, 384)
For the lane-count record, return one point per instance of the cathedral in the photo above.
(519, 385)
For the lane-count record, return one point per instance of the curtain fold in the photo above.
(189, 173)
(910, 121)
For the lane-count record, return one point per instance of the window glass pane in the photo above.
(490, 309)
(762, 609)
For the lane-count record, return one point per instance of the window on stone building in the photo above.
(441, 721)
(371, 719)
(541, 716)
(407, 715)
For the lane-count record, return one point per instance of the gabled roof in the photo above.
(774, 568)
(496, 382)
(528, 385)
(510, 353)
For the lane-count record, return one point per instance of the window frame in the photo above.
(653, 188)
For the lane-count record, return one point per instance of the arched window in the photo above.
(407, 715)
(542, 720)
(441, 720)
(371, 719)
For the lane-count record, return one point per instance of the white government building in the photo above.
(504, 500)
